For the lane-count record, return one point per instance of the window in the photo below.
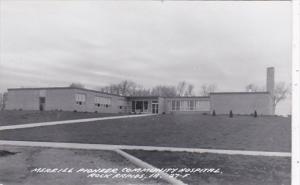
(145, 105)
(177, 105)
(97, 101)
(139, 105)
(184, 105)
(80, 99)
(42, 93)
(108, 102)
(198, 104)
(191, 105)
(102, 101)
(42, 100)
(173, 105)
(133, 106)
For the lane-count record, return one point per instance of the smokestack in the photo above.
(270, 80)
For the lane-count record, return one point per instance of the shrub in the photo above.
(6, 153)
(230, 114)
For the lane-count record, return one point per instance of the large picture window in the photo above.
(189, 105)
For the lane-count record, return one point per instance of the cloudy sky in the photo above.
(230, 44)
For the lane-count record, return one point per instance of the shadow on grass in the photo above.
(4, 153)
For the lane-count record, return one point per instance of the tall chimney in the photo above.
(270, 80)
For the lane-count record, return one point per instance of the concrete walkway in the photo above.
(145, 165)
(42, 124)
(147, 148)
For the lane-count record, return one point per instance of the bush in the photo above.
(6, 153)
(230, 114)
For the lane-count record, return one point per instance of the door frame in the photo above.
(154, 108)
(42, 103)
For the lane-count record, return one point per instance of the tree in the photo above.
(142, 92)
(189, 90)
(181, 88)
(1, 101)
(252, 88)
(114, 89)
(207, 88)
(127, 87)
(77, 85)
(165, 91)
(184, 89)
(281, 91)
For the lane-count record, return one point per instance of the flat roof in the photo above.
(53, 88)
(168, 97)
(146, 97)
(259, 92)
(189, 97)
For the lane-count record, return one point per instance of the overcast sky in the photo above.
(230, 44)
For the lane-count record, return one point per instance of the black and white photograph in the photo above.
(146, 92)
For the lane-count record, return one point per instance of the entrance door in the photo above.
(42, 102)
(154, 108)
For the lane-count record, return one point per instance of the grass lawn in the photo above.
(16, 164)
(236, 169)
(191, 131)
(22, 117)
